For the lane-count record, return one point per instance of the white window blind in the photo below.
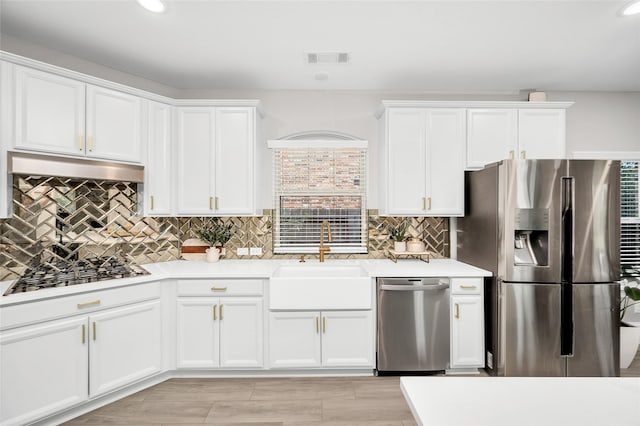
(314, 184)
(630, 220)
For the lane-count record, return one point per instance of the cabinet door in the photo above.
(125, 346)
(157, 184)
(43, 369)
(445, 161)
(492, 135)
(347, 339)
(114, 129)
(197, 326)
(195, 161)
(294, 339)
(6, 133)
(406, 161)
(541, 133)
(234, 161)
(467, 331)
(50, 113)
(241, 330)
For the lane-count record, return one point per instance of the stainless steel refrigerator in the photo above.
(549, 232)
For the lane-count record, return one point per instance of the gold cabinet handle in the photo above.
(152, 202)
(94, 331)
(457, 314)
(215, 312)
(429, 203)
(210, 203)
(88, 304)
(467, 286)
(221, 312)
(216, 203)
(81, 142)
(317, 326)
(218, 289)
(512, 154)
(523, 154)
(83, 334)
(324, 325)
(424, 203)
(90, 142)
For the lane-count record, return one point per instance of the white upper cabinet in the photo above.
(495, 134)
(541, 133)
(113, 125)
(60, 115)
(422, 162)
(492, 135)
(157, 181)
(215, 162)
(6, 134)
(50, 112)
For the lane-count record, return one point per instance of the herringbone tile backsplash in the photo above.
(58, 218)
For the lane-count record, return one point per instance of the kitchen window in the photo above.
(317, 181)
(630, 220)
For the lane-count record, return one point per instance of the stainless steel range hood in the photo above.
(50, 165)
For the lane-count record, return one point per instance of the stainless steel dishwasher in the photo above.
(413, 324)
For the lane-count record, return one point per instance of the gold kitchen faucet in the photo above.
(322, 249)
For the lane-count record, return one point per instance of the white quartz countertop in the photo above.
(522, 401)
(188, 269)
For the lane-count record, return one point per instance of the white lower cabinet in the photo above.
(126, 345)
(467, 323)
(300, 339)
(48, 367)
(220, 332)
(43, 369)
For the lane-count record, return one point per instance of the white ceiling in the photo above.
(439, 46)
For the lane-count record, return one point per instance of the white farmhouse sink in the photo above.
(320, 286)
(320, 271)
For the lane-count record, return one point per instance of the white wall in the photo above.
(598, 121)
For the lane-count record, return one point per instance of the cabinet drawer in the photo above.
(32, 312)
(220, 287)
(466, 285)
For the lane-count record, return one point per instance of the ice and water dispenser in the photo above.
(531, 239)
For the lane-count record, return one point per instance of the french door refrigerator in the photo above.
(549, 232)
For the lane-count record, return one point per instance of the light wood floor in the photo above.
(330, 401)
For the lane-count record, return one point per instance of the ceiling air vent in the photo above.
(327, 57)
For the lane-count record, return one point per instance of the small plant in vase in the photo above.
(398, 235)
(216, 235)
(629, 332)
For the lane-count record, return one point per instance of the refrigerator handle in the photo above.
(566, 293)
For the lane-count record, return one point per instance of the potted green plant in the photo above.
(629, 332)
(216, 235)
(397, 234)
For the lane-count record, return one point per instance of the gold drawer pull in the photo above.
(324, 324)
(457, 315)
(429, 203)
(88, 304)
(90, 143)
(221, 312)
(152, 202)
(467, 286)
(218, 289)
(215, 312)
(94, 331)
(217, 203)
(317, 326)
(523, 155)
(512, 154)
(210, 203)
(81, 142)
(424, 203)
(83, 334)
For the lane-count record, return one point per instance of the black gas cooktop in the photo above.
(63, 273)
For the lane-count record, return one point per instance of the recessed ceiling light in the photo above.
(632, 8)
(152, 5)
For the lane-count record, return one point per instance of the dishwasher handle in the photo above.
(413, 287)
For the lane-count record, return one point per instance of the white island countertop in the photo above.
(232, 268)
(523, 401)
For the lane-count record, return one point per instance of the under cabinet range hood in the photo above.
(21, 163)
